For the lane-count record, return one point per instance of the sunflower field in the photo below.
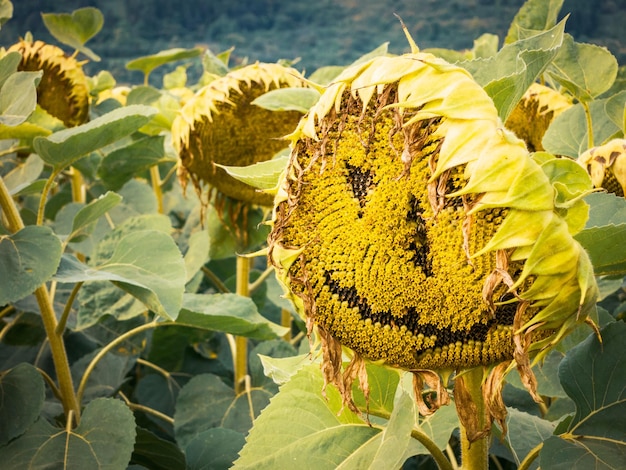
(412, 261)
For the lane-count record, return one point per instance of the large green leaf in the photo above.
(9, 63)
(525, 431)
(567, 134)
(18, 97)
(507, 75)
(534, 15)
(157, 454)
(89, 214)
(585, 70)
(206, 402)
(106, 378)
(103, 440)
(592, 374)
(545, 374)
(22, 392)
(288, 99)
(75, 29)
(121, 165)
(148, 63)
(24, 175)
(262, 175)
(605, 233)
(28, 258)
(214, 449)
(6, 11)
(229, 313)
(301, 429)
(65, 147)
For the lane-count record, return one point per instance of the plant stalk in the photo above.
(240, 360)
(156, 186)
(475, 455)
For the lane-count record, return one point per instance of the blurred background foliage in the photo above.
(319, 33)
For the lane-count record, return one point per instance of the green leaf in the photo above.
(592, 375)
(22, 393)
(6, 11)
(63, 148)
(206, 402)
(214, 449)
(604, 232)
(525, 431)
(106, 378)
(223, 243)
(94, 210)
(288, 99)
(8, 63)
(148, 63)
(229, 313)
(507, 75)
(157, 454)
(585, 70)
(534, 15)
(567, 134)
(75, 29)
(121, 165)
(262, 175)
(24, 174)
(103, 440)
(28, 258)
(18, 97)
(157, 281)
(214, 64)
(545, 374)
(302, 429)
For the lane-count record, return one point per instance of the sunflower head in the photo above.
(533, 114)
(221, 126)
(414, 229)
(606, 164)
(63, 90)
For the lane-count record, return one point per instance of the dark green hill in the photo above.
(320, 32)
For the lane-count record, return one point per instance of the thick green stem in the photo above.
(240, 360)
(44, 196)
(156, 186)
(57, 347)
(590, 138)
(475, 455)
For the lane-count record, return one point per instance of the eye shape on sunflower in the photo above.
(606, 164)
(221, 126)
(63, 90)
(414, 229)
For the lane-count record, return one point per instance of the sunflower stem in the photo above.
(240, 360)
(475, 455)
(590, 139)
(155, 176)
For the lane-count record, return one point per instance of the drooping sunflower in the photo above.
(532, 116)
(63, 90)
(606, 164)
(221, 126)
(413, 228)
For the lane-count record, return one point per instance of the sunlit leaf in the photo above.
(18, 97)
(28, 258)
(262, 175)
(22, 393)
(8, 63)
(214, 64)
(534, 15)
(148, 63)
(585, 70)
(24, 174)
(94, 210)
(229, 313)
(103, 440)
(6, 11)
(288, 99)
(76, 28)
(65, 147)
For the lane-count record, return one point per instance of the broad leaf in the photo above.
(214, 449)
(229, 313)
(302, 429)
(23, 175)
(6, 11)
(18, 97)
(262, 175)
(214, 64)
(288, 99)
(534, 15)
(195, 413)
(121, 165)
(525, 431)
(507, 75)
(106, 378)
(157, 454)
(592, 375)
(22, 393)
(28, 258)
(157, 281)
(8, 63)
(545, 374)
(103, 440)
(75, 29)
(63, 148)
(585, 70)
(604, 233)
(147, 64)
(94, 210)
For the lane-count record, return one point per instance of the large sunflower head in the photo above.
(63, 90)
(413, 228)
(606, 164)
(221, 126)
